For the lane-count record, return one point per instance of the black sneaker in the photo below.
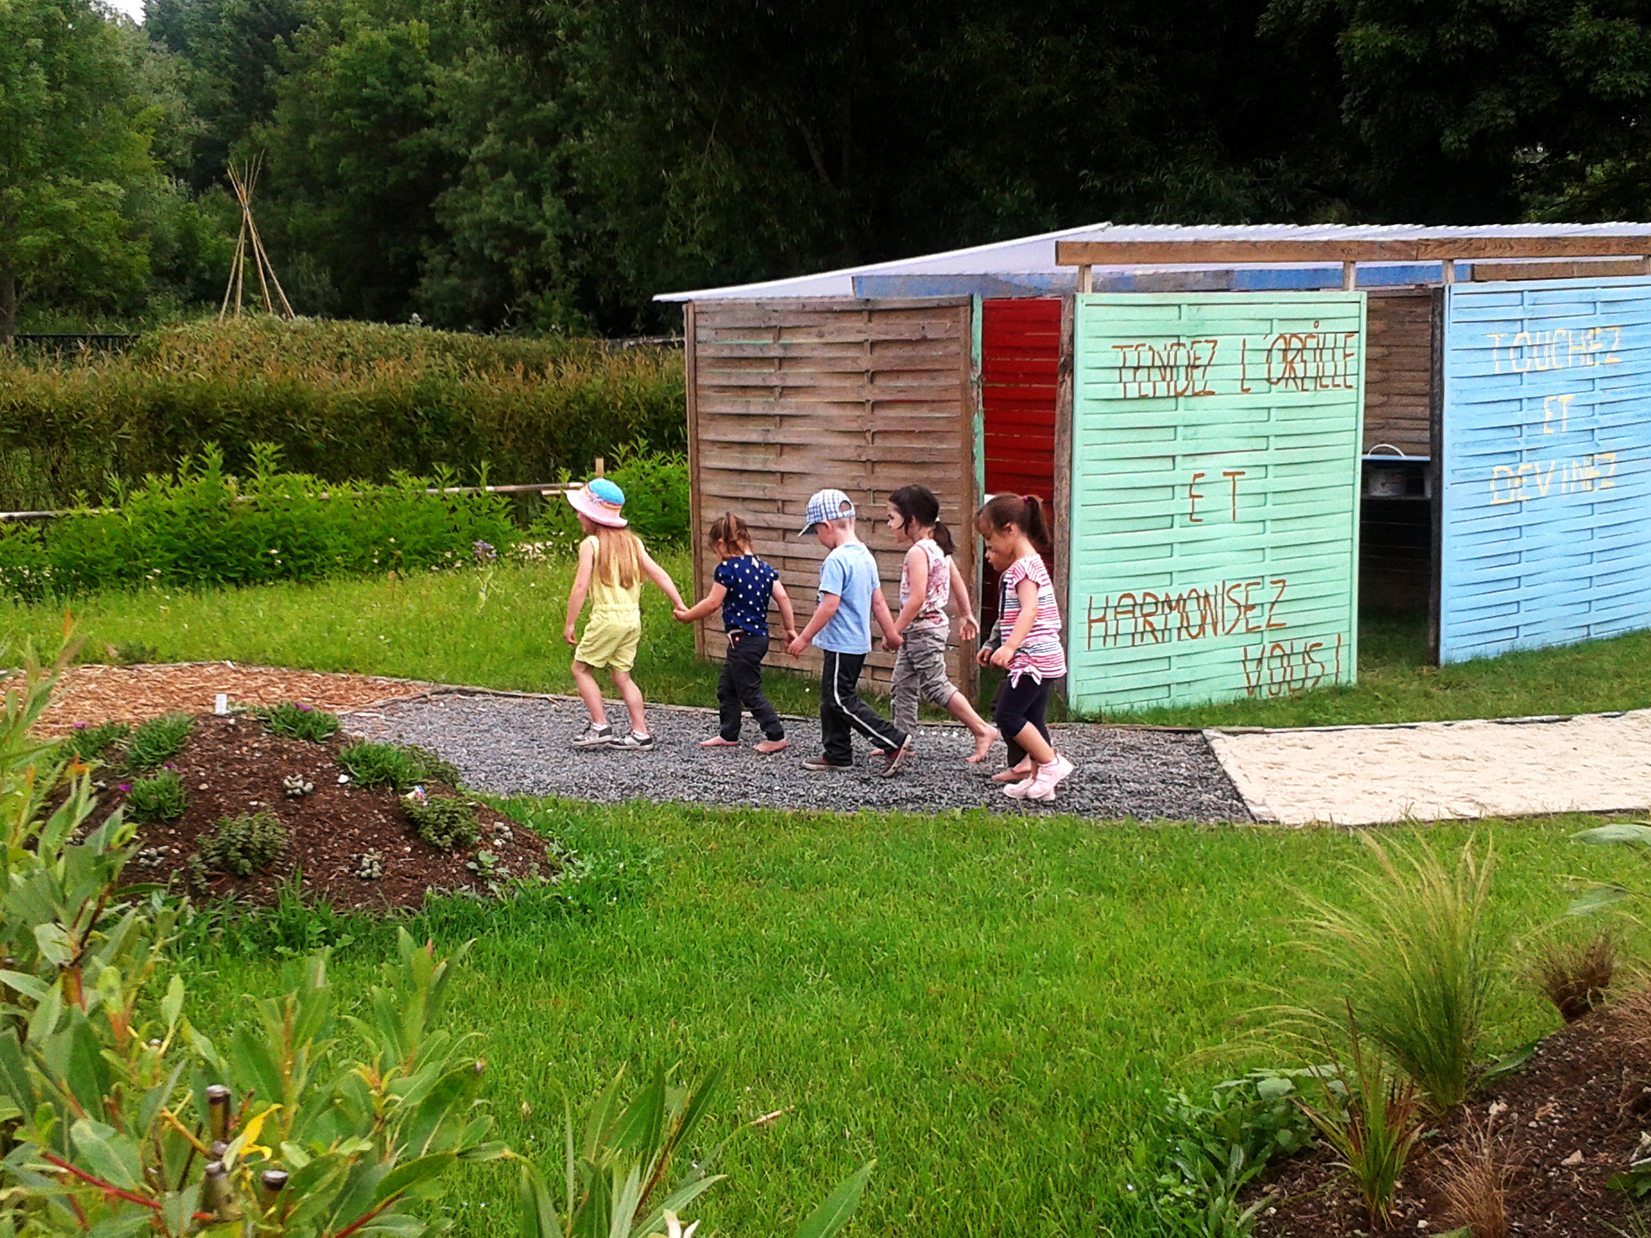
(894, 760)
(633, 741)
(594, 736)
(815, 765)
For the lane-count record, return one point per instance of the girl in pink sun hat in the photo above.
(612, 563)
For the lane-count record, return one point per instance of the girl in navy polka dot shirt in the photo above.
(742, 586)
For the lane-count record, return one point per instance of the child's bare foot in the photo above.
(983, 745)
(717, 741)
(1018, 773)
(771, 746)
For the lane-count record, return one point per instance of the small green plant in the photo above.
(159, 797)
(1418, 954)
(88, 743)
(1201, 1155)
(296, 720)
(401, 766)
(157, 741)
(444, 821)
(1371, 1115)
(1574, 975)
(244, 845)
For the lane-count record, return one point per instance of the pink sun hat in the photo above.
(600, 500)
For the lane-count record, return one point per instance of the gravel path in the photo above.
(518, 745)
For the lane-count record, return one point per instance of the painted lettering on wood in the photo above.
(1547, 464)
(1214, 534)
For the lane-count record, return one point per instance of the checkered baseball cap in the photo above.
(825, 505)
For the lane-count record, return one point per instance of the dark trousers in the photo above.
(740, 684)
(1017, 705)
(842, 712)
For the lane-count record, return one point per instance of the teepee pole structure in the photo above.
(245, 181)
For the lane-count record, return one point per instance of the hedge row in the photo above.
(203, 527)
(343, 401)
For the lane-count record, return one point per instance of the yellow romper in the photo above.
(614, 628)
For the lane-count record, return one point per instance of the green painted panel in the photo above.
(1215, 506)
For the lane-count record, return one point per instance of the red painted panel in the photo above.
(1020, 350)
(1019, 355)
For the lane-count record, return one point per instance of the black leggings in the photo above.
(1016, 705)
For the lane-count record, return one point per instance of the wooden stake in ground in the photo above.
(245, 180)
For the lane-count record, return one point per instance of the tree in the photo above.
(75, 135)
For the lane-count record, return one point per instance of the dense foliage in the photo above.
(204, 526)
(552, 163)
(344, 401)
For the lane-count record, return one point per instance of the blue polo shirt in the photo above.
(851, 573)
(750, 585)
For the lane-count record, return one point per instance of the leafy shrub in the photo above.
(244, 845)
(1371, 1115)
(1574, 975)
(443, 821)
(1202, 1155)
(656, 502)
(160, 797)
(345, 401)
(401, 766)
(296, 720)
(157, 741)
(1418, 955)
(204, 527)
(88, 743)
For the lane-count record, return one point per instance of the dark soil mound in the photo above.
(1566, 1122)
(231, 766)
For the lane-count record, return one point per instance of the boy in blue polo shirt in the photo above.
(850, 597)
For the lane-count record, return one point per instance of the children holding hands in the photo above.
(612, 563)
(850, 596)
(742, 587)
(929, 579)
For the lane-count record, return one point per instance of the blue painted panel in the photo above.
(1546, 530)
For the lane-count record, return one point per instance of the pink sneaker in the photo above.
(1048, 777)
(1020, 790)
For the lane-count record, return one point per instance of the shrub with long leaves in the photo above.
(1417, 953)
(1371, 1115)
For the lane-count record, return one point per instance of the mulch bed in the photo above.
(1568, 1121)
(231, 766)
(96, 693)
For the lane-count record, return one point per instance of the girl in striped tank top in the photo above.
(1025, 642)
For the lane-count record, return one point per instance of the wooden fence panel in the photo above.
(1398, 359)
(788, 397)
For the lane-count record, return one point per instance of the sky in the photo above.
(132, 8)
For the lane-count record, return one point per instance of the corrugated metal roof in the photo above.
(1029, 262)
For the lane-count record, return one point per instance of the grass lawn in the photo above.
(504, 631)
(985, 1005)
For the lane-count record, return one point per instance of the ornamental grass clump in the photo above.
(159, 797)
(1417, 954)
(400, 766)
(1575, 975)
(157, 741)
(244, 845)
(1371, 1116)
(296, 720)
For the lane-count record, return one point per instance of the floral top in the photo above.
(939, 591)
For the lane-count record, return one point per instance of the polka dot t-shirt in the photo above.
(750, 585)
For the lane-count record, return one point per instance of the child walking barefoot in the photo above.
(742, 586)
(612, 563)
(1025, 642)
(929, 579)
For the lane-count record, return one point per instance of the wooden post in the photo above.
(971, 432)
(1061, 506)
(599, 465)
(1085, 278)
(1447, 270)
(697, 542)
(1349, 276)
(1436, 472)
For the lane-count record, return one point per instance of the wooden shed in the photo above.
(1113, 370)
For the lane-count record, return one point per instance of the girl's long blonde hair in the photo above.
(618, 556)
